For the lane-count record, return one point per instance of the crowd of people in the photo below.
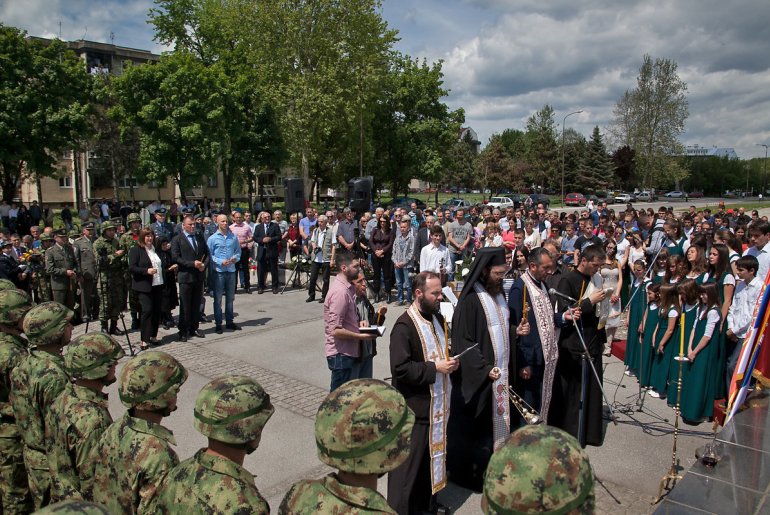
(542, 294)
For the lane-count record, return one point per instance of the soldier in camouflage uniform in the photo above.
(112, 264)
(127, 242)
(73, 508)
(14, 490)
(41, 281)
(79, 415)
(35, 384)
(135, 452)
(231, 412)
(363, 429)
(5, 284)
(86, 259)
(540, 469)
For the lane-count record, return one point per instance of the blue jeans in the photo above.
(342, 369)
(363, 369)
(224, 283)
(455, 257)
(402, 282)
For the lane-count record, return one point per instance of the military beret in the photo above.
(161, 211)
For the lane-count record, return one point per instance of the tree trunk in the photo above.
(10, 179)
(76, 173)
(306, 177)
(39, 190)
(227, 180)
(114, 176)
(250, 179)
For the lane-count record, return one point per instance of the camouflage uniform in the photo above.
(59, 259)
(232, 410)
(540, 469)
(134, 454)
(5, 284)
(112, 295)
(79, 416)
(86, 259)
(41, 283)
(363, 427)
(75, 507)
(127, 242)
(35, 384)
(14, 490)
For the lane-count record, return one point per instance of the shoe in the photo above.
(198, 334)
(260, 291)
(232, 327)
(170, 322)
(218, 329)
(203, 319)
(310, 299)
(182, 338)
(248, 290)
(166, 326)
(275, 291)
(143, 346)
(400, 303)
(104, 328)
(389, 297)
(654, 394)
(114, 329)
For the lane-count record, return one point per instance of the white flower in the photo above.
(464, 272)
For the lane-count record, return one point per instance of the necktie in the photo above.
(193, 242)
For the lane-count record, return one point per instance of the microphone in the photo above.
(553, 291)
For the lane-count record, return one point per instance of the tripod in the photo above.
(295, 274)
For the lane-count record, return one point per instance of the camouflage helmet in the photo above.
(364, 427)
(14, 304)
(232, 409)
(90, 355)
(5, 284)
(45, 323)
(108, 225)
(133, 217)
(150, 380)
(74, 507)
(539, 469)
(45, 237)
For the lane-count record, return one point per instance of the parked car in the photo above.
(538, 198)
(624, 198)
(646, 196)
(456, 203)
(695, 194)
(675, 194)
(501, 203)
(604, 196)
(575, 199)
(405, 202)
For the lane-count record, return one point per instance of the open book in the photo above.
(373, 329)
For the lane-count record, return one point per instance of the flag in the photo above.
(752, 344)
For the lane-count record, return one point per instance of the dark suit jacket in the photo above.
(138, 263)
(267, 250)
(183, 254)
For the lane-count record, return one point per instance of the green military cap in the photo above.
(45, 237)
(364, 427)
(45, 323)
(232, 409)
(74, 233)
(133, 217)
(108, 225)
(5, 284)
(60, 232)
(14, 304)
(91, 355)
(88, 225)
(150, 380)
(74, 507)
(539, 469)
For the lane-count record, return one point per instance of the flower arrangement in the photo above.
(463, 267)
(301, 261)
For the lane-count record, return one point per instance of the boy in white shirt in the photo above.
(740, 316)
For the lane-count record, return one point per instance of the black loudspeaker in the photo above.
(294, 195)
(360, 194)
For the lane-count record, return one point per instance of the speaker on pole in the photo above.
(294, 195)
(360, 194)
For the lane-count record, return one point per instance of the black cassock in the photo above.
(565, 406)
(469, 435)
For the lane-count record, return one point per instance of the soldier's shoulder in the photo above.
(308, 496)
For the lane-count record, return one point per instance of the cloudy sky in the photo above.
(505, 59)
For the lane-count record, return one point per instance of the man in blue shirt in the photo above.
(225, 251)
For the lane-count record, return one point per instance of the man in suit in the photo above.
(62, 268)
(189, 251)
(267, 234)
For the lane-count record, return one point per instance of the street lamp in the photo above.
(764, 174)
(564, 121)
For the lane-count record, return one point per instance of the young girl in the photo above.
(697, 400)
(668, 325)
(647, 330)
(612, 277)
(677, 243)
(660, 267)
(688, 296)
(696, 262)
(677, 269)
(719, 274)
(635, 314)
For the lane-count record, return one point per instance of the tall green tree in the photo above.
(574, 148)
(650, 119)
(542, 149)
(596, 170)
(45, 95)
(497, 170)
(625, 167)
(464, 163)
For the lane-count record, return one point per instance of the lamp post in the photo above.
(564, 121)
(764, 173)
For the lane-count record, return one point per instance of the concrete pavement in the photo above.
(281, 346)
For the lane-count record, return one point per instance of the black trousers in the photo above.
(409, 486)
(265, 264)
(243, 267)
(382, 264)
(150, 318)
(190, 295)
(325, 270)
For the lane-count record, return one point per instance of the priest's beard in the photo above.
(493, 285)
(429, 308)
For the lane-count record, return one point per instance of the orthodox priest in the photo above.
(420, 366)
(580, 284)
(538, 351)
(481, 409)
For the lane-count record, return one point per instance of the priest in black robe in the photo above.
(565, 406)
(480, 409)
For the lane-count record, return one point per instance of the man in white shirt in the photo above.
(759, 236)
(431, 255)
(741, 314)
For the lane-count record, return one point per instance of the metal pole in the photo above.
(563, 122)
(764, 173)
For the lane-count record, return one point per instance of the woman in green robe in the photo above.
(676, 240)
(666, 338)
(635, 314)
(649, 329)
(689, 292)
(720, 273)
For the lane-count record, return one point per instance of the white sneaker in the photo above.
(654, 394)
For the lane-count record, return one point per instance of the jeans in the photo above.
(403, 282)
(224, 283)
(363, 369)
(455, 257)
(342, 369)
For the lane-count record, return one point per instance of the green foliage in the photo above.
(44, 106)
(715, 175)
(625, 168)
(464, 162)
(574, 152)
(542, 150)
(497, 169)
(596, 170)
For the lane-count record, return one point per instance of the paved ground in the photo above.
(281, 345)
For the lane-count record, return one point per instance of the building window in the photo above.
(212, 181)
(67, 154)
(65, 181)
(127, 182)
